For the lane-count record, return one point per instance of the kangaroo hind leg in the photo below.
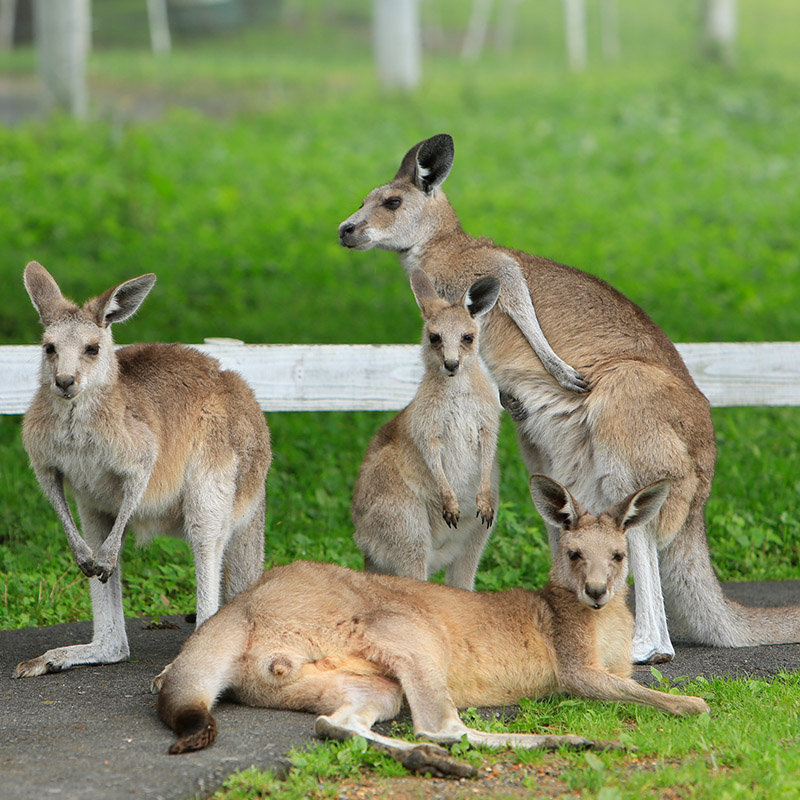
(109, 640)
(243, 558)
(419, 663)
(369, 699)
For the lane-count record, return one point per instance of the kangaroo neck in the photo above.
(443, 235)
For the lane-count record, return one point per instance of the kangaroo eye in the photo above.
(468, 338)
(618, 556)
(574, 555)
(392, 203)
(92, 349)
(434, 338)
(49, 349)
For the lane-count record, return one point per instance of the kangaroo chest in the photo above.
(87, 468)
(93, 460)
(457, 424)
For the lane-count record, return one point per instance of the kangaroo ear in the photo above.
(428, 163)
(641, 506)
(481, 296)
(120, 302)
(424, 292)
(556, 505)
(44, 293)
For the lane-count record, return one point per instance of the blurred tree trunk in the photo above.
(507, 24)
(8, 10)
(575, 24)
(397, 41)
(609, 29)
(477, 28)
(62, 50)
(160, 39)
(719, 30)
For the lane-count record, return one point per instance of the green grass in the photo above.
(722, 755)
(226, 169)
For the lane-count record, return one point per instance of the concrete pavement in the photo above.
(92, 733)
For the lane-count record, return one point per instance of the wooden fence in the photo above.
(385, 377)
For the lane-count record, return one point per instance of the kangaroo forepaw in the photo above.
(451, 515)
(87, 566)
(429, 759)
(569, 378)
(516, 410)
(105, 571)
(486, 514)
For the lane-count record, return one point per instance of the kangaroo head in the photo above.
(404, 213)
(591, 559)
(77, 346)
(450, 333)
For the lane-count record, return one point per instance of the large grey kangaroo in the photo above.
(426, 494)
(351, 645)
(152, 435)
(644, 419)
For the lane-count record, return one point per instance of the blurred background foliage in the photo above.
(226, 166)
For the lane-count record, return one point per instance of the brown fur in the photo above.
(153, 435)
(350, 645)
(644, 419)
(426, 494)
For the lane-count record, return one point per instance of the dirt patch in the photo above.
(502, 779)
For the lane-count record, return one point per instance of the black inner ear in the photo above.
(435, 157)
(564, 517)
(482, 294)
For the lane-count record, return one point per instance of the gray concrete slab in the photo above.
(92, 733)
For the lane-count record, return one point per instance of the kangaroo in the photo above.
(437, 456)
(644, 419)
(154, 435)
(350, 646)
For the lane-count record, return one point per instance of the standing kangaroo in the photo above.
(644, 419)
(350, 645)
(436, 458)
(154, 435)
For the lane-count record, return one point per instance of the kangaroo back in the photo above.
(437, 455)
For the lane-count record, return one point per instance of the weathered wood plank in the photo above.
(384, 377)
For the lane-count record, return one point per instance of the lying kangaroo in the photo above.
(153, 435)
(437, 456)
(350, 645)
(644, 419)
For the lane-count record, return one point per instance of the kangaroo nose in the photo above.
(451, 365)
(64, 381)
(595, 591)
(346, 228)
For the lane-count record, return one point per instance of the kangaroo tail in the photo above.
(695, 600)
(205, 667)
(195, 727)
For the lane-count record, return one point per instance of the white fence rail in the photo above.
(385, 377)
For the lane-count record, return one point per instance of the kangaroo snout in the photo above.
(65, 385)
(596, 594)
(451, 366)
(345, 230)
(351, 235)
